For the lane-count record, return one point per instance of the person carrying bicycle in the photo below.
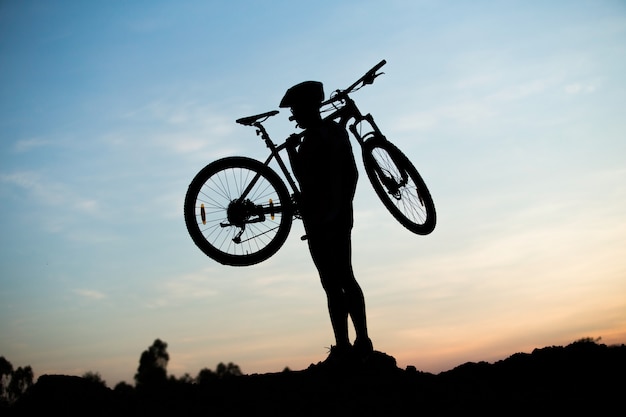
(325, 167)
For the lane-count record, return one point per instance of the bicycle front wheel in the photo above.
(238, 211)
(399, 186)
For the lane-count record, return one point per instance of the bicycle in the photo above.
(239, 211)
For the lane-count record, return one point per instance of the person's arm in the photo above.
(338, 185)
(292, 143)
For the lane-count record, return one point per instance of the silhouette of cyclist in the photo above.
(324, 165)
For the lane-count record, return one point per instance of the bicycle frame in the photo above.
(345, 110)
(343, 114)
(274, 154)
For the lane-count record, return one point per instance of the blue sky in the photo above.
(511, 110)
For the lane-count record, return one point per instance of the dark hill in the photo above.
(584, 377)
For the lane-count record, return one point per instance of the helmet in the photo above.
(309, 93)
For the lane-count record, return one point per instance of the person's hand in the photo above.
(293, 140)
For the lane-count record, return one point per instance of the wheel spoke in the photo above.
(229, 214)
(399, 186)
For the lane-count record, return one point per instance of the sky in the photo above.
(512, 111)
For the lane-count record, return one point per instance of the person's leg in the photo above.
(324, 256)
(356, 307)
(354, 297)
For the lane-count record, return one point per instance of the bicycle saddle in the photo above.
(251, 120)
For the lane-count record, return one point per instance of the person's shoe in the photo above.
(338, 354)
(363, 348)
(339, 359)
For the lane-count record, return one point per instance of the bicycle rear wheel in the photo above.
(234, 229)
(399, 186)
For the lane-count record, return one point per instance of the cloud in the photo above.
(521, 90)
(481, 107)
(172, 111)
(180, 289)
(26, 145)
(478, 80)
(179, 126)
(90, 294)
(462, 113)
(48, 192)
(58, 208)
(579, 88)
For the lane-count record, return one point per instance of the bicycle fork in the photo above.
(393, 183)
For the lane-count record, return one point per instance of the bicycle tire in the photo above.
(215, 215)
(402, 190)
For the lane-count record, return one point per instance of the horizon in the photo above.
(511, 113)
(313, 366)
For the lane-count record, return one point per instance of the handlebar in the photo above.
(366, 79)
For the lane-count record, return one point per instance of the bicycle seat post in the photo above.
(264, 135)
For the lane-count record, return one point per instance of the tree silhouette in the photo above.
(152, 365)
(13, 383)
(205, 376)
(6, 372)
(222, 371)
(225, 371)
(94, 377)
(185, 379)
(124, 391)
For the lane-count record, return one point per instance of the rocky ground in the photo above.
(581, 378)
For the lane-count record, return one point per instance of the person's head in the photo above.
(305, 99)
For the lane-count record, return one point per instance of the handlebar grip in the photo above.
(371, 74)
(378, 66)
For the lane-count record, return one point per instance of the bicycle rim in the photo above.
(399, 186)
(234, 230)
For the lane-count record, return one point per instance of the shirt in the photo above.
(325, 168)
